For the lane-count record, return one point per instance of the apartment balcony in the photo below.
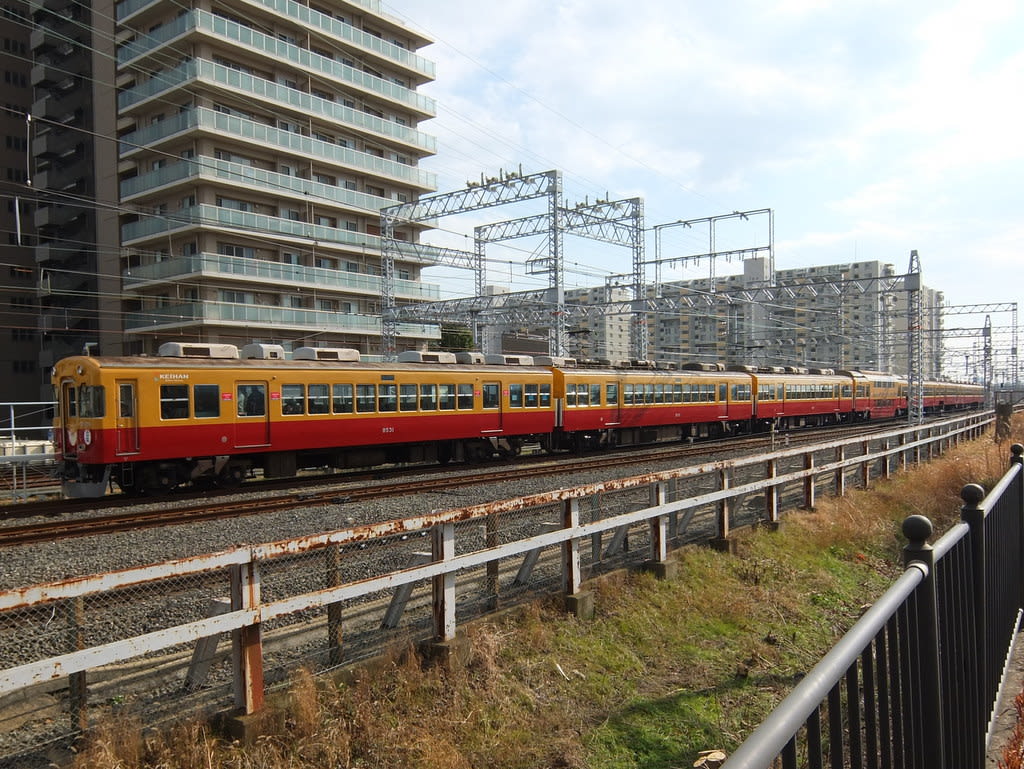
(249, 85)
(43, 40)
(274, 273)
(225, 126)
(369, 45)
(47, 75)
(280, 98)
(262, 321)
(149, 44)
(129, 8)
(285, 230)
(246, 177)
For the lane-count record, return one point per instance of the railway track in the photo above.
(261, 498)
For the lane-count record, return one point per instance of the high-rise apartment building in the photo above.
(73, 182)
(18, 302)
(258, 141)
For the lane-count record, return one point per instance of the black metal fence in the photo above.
(915, 682)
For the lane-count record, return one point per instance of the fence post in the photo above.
(809, 480)
(974, 517)
(929, 740)
(247, 642)
(443, 548)
(577, 601)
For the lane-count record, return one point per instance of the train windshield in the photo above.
(91, 401)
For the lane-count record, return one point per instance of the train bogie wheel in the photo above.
(231, 476)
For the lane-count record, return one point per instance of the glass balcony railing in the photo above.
(274, 183)
(128, 7)
(218, 216)
(234, 32)
(338, 28)
(148, 42)
(292, 275)
(256, 316)
(268, 135)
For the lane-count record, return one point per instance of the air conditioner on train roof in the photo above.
(259, 351)
(196, 350)
(346, 354)
(418, 356)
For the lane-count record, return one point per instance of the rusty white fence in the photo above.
(214, 632)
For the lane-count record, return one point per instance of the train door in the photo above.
(68, 418)
(252, 421)
(126, 421)
(491, 402)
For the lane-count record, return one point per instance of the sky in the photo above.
(868, 128)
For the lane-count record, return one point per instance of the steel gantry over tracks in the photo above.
(615, 222)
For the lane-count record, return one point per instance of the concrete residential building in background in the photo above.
(851, 315)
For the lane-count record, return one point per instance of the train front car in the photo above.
(83, 427)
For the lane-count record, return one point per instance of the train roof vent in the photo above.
(743, 368)
(469, 357)
(795, 370)
(696, 366)
(825, 371)
(554, 360)
(258, 351)
(510, 360)
(326, 353)
(416, 356)
(667, 365)
(188, 350)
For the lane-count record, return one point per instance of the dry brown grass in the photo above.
(665, 669)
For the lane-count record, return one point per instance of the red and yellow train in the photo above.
(206, 414)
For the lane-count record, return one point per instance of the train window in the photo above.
(252, 400)
(91, 401)
(515, 395)
(428, 397)
(446, 397)
(317, 402)
(341, 399)
(545, 396)
(531, 396)
(407, 397)
(466, 396)
(649, 393)
(722, 388)
(595, 394)
(293, 397)
(366, 398)
(206, 399)
(611, 393)
(677, 393)
(173, 401)
(126, 401)
(492, 395)
(387, 397)
(582, 395)
(570, 395)
(741, 392)
(659, 393)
